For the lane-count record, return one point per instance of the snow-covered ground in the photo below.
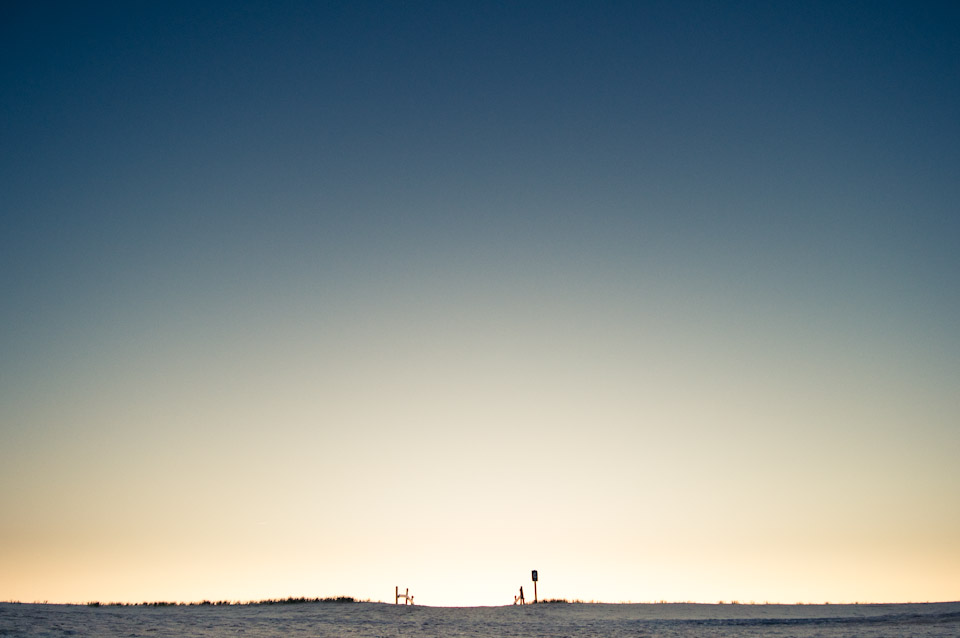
(552, 620)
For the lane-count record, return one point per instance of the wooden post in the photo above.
(407, 598)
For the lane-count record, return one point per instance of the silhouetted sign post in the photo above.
(534, 576)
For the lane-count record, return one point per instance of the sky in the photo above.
(660, 299)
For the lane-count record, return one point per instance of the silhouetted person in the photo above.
(521, 596)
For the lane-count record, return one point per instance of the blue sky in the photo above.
(643, 262)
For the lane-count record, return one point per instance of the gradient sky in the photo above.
(660, 299)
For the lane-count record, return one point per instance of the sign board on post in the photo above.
(534, 575)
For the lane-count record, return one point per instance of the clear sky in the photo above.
(660, 299)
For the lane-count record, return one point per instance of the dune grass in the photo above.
(292, 600)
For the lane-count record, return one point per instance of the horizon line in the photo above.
(344, 600)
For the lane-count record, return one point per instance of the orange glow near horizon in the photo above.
(566, 473)
(191, 579)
